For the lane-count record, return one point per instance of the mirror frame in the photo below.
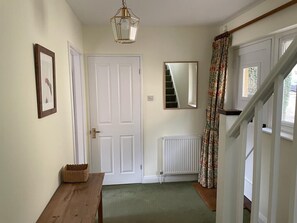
(164, 84)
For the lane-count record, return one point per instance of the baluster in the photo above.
(241, 171)
(293, 197)
(257, 161)
(275, 149)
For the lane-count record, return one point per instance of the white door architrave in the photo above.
(77, 85)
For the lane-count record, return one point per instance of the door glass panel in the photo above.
(249, 81)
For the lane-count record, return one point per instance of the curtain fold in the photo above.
(216, 93)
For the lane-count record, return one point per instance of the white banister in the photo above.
(241, 171)
(286, 63)
(232, 151)
(257, 162)
(226, 172)
(275, 149)
(293, 197)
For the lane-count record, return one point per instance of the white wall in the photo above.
(275, 23)
(192, 84)
(286, 166)
(157, 45)
(33, 150)
(180, 75)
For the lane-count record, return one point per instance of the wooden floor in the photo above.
(209, 196)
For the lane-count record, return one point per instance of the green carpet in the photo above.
(155, 203)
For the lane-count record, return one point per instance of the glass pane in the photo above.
(249, 81)
(285, 45)
(289, 96)
(289, 92)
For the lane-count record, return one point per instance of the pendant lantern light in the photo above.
(124, 25)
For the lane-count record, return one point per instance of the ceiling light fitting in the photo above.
(124, 25)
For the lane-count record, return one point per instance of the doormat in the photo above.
(209, 196)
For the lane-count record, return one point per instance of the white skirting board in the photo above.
(169, 178)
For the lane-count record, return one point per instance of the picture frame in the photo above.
(45, 75)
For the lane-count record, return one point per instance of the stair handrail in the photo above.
(283, 67)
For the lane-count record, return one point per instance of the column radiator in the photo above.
(180, 155)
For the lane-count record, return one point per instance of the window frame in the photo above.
(286, 127)
(277, 39)
(266, 43)
(240, 87)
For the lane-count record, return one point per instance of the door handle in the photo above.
(93, 133)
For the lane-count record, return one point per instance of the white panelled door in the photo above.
(115, 92)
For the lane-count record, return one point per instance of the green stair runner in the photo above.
(171, 99)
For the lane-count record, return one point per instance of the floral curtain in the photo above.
(216, 94)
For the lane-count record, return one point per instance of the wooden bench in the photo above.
(75, 202)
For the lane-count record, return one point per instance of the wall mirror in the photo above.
(180, 85)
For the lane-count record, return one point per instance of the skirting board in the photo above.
(169, 178)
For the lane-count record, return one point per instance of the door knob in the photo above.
(93, 133)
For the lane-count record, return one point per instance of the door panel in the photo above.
(107, 162)
(125, 96)
(103, 93)
(115, 112)
(127, 154)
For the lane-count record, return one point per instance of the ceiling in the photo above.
(162, 12)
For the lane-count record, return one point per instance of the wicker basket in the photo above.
(75, 173)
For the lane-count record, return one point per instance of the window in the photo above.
(290, 83)
(249, 81)
(252, 63)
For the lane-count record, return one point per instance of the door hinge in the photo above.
(141, 167)
(139, 71)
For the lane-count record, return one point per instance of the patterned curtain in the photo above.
(216, 94)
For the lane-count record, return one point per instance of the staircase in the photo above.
(170, 94)
(232, 152)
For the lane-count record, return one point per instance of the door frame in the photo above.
(141, 104)
(245, 49)
(80, 69)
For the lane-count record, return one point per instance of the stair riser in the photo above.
(171, 105)
(171, 98)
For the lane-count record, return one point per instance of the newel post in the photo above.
(227, 169)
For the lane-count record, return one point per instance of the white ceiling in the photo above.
(162, 12)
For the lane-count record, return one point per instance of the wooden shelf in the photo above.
(229, 111)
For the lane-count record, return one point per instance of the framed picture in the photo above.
(45, 81)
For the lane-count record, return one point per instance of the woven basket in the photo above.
(75, 173)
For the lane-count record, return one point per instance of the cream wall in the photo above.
(264, 27)
(156, 45)
(283, 20)
(286, 165)
(33, 150)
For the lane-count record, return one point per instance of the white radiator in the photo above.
(180, 154)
